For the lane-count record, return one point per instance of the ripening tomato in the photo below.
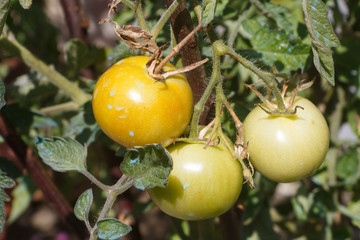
(287, 148)
(133, 109)
(203, 183)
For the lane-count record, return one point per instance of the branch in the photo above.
(181, 24)
(76, 19)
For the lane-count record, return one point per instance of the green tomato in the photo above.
(203, 183)
(287, 148)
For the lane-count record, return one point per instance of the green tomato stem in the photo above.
(73, 91)
(199, 107)
(164, 18)
(136, 7)
(93, 179)
(266, 77)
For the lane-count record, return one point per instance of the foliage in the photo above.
(258, 43)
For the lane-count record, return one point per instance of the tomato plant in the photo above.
(287, 148)
(204, 183)
(133, 109)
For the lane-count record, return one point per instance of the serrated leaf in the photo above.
(322, 37)
(150, 166)
(2, 94)
(4, 9)
(83, 204)
(208, 11)
(26, 4)
(62, 154)
(275, 47)
(111, 229)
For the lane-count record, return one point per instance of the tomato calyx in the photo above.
(286, 106)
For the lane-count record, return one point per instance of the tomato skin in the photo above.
(133, 109)
(203, 184)
(287, 148)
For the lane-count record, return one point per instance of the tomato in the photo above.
(287, 148)
(133, 109)
(203, 183)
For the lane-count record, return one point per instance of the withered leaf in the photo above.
(136, 37)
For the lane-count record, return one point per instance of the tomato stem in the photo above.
(162, 21)
(268, 78)
(136, 7)
(72, 90)
(199, 107)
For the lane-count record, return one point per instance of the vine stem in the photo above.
(199, 107)
(73, 91)
(266, 77)
(164, 18)
(137, 8)
(123, 184)
(96, 181)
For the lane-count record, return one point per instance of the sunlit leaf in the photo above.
(322, 37)
(149, 166)
(208, 11)
(111, 229)
(4, 8)
(83, 204)
(26, 4)
(62, 154)
(275, 47)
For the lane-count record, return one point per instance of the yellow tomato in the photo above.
(133, 109)
(203, 183)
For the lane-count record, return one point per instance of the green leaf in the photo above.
(62, 154)
(2, 94)
(322, 37)
(150, 166)
(83, 204)
(83, 126)
(275, 47)
(111, 229)
(4, 9)
(347, 166)
(78, 56)
(208, 11)
(26, 4)
(281, 16)
(21, 197)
